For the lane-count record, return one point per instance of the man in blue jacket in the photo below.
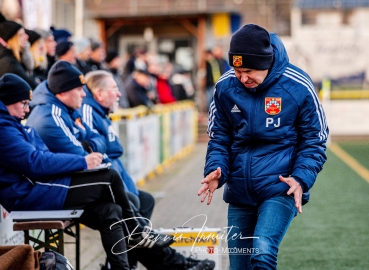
(102, 96)
(54, 113)
(267, 145)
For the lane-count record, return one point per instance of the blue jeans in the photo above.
(262, 229)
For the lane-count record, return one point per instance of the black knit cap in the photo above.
(110, 56)
(63, 77)
(14, 89)
(250, 48)
(8, 29)
(62, 47)
(32, 36)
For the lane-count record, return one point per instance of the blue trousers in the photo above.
(255, 232)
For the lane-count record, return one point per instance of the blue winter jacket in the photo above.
(279, 128)
(31, 177)
(96, 117)
(56, 125)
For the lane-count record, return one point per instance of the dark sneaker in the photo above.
(150, 239)
(193, 264)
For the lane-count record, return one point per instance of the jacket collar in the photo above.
(89, 99)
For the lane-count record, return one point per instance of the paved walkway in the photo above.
(177, 204)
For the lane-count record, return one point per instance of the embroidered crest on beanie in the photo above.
(250, 47)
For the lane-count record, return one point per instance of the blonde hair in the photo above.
(95, 79)
(15, 47)
(39, 58)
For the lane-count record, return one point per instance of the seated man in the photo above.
(102, 96)
(33, 178)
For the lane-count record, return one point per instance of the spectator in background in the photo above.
(162, 73)
(136, 87)
(216, 66)
(212, 75)
(82, 47)
(97, 55)
(65, 51)
(38, 52)
(14, 38)
(219, 56)
(114, 64)
(50, 46)
(137, 60)
(181, 84)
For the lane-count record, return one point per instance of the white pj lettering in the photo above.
(270, 121)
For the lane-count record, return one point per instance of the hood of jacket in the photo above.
(42, 96)
(4, 114)
(279, 64)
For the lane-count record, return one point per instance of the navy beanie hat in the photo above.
(60, 34)
(250, 48)
(63, 77)
(62, 47)
(14, 89)
(8, 29)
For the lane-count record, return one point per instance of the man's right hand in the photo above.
(93, 160)
(209, 185)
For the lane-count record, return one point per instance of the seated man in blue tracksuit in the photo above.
(102, 96)
(55, 117)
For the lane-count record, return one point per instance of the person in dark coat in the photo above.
(97, 55)
(82, 47)
(136, 87)
(114, 64)
(38, 51)
(50, 46)
(13, 37)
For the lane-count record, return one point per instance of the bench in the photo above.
(53, 224)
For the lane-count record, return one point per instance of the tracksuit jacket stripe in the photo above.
(56, 114)
(87, 115)
(213, 109)
(298, 77)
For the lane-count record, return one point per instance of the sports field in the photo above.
(333, 230)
